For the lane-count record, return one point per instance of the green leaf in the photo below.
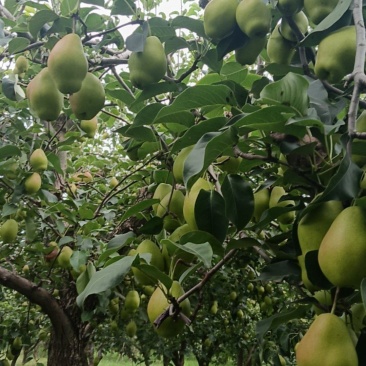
(69, 7)
(199, 96)
(273, 322)
(106, 278)
(8, 88)
(244, 243)
(123, 7)
(155, 274)
(193, 25)
(39, 19)
(207, 149)
(143, 205)
(120, 241)
(239, 200)
(209, 211)
(291, 90)
(231, 42)
(9, 151)
(155, 89)
(314, 272)
(199, 237)
(136, 42)
(94, 2)
(280, 271)
(140, 133)
(18, 44)
(363, 291)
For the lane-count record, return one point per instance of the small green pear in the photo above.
(33, 183)
(254, 18)
(261, 203)
(342, 252)
(302, 23)
(67, 64)
(175, 202)
(160, 192)
(178, 164)
(89, 126)
(158, 303)
(89, 100)
(21, 65)
(290, 7)
(132, 301)
(9, 231)
(274, 201)
(279, 50)
(219, 18)
(45, 100)
(336, 55)
(248, 54)
(150, 65)
(131, 328)
(113, 182)
(63, 259)
(317, 10)
(326, 343)
(38, 160)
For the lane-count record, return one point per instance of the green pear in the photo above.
(63, 259)
(248, 54)
(131, 328)
(89, 126)
(67, 64)
(175, 202)
(21, 65)
(317, 10)
(261, 203)
(219, 18)
(178, 165)
(254, 18)
(336, 55)
(38, 160)
(45, 100)
(360, 160)
(228, 164)
(342, 253)
(158, 303)
(150, 65)
(315, 223)
(190, 201)
(89, 100)
(279, 50)
(113, 182)
(326, 343)
(160, 192)
(9, 231)
(157, 260)
(290, 7)
(274, 201)
(302, 23)
(33, 183)
(132, 301)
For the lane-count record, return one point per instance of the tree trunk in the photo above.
(240, 357)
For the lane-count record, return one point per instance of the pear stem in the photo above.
(335, 300)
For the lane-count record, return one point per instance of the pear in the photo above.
(248, 54)
(175, 202)
(33, 183)
(342, 253)
(67, 64)
(160, 192)
(157, 260)
(253, 18)
(131, 329)
(261, 203)
(279, 50)
(21, 65)
(228, 164)
(63, 259)
(326, 343)
(360, 160)
(178, 165)
(318, 10)
(302, 23)
(89, 100)
(9, 231)
(150, 65)
(89, 126)
(219, 18)
(132, 301)
(274, 201)
(190, 201)
(113, 182)
(336, 55)
(45, 100)
(290, 7)
(38, 160)
(158, 303)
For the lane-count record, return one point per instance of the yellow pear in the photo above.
(342, 253)
(175, 202)
(157, 260)
(254, 18)
(45, 100)
(274, 201)
(67, 64)
(9, 231)
(219, 18)
(150, 65)
(326, 343)
(279, 50)
(290, 7)
(160, 192)
(89, 100)
(336, 55)
(38, 160)
(302, 23)
(261, 203)
(89, 126)
(318, 10)
(63, 259)
(33, 183)
(248, 54)
(132, 301)
(178, 165)
(190, 201)
(21, 65)
(84, 177)
(158, 303)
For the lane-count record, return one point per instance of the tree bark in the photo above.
(69, 336)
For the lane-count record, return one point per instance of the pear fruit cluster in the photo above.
(66, 73)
